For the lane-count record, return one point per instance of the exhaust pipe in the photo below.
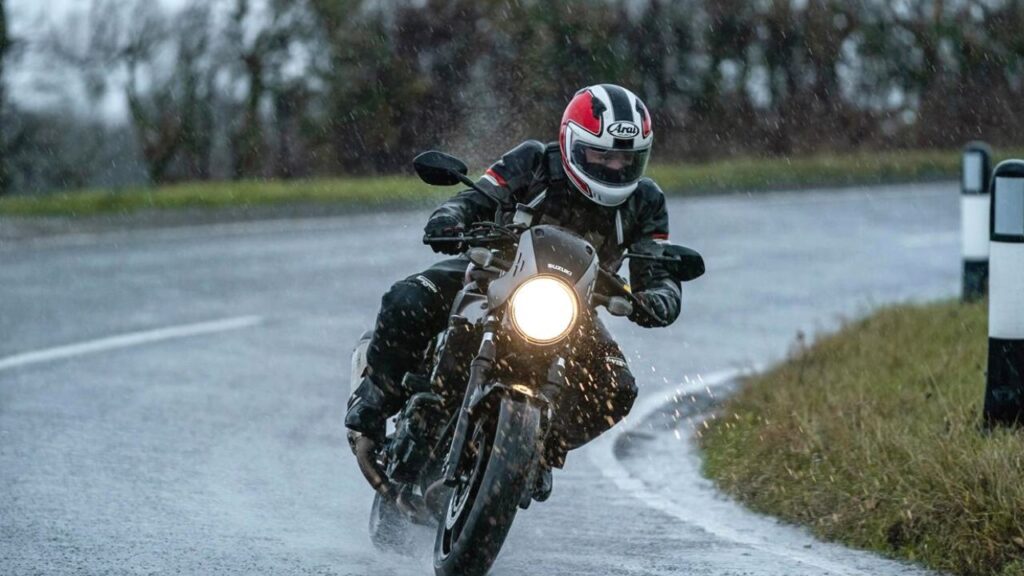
(365, 450)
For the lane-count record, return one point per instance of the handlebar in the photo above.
(487, 234)
(468, 240)
(481, 234)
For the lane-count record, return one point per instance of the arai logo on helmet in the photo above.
(624, 129)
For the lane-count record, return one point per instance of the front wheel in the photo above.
(483, 505)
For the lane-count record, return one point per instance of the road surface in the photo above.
(171, 401)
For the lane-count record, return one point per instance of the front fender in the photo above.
(493, 390)
(489, 398)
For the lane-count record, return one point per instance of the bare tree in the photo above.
(259, 42)
(5, 46)
(256, 88)
(171, 102)
(163, 66)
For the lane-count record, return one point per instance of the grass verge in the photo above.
(818, 170)
(870, 437)
(382, 190)
(680, 179)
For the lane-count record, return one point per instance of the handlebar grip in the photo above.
(467, 239)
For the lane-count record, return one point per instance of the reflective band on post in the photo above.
(974, 172)
(1008, 219)
(974, 219)
(1004, 391)
(974, 235)
(976, 168)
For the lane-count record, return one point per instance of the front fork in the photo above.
(479, 370)
(479, 374)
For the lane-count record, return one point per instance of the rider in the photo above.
(591, 181)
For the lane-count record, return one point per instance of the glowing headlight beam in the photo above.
(543, 309)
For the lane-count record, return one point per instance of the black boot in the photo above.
(544, 482)
(369, 408)
(553, 457)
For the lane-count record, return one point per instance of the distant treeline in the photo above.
(297, 88)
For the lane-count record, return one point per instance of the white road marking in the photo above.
(127, 340)
(705, 515)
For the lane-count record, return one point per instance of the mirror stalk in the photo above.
(469, 182)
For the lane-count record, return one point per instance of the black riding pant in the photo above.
(600, 388)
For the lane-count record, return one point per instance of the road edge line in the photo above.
(613, 469)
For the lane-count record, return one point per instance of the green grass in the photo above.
(354, 191)
(871, 437)
(679, 179)
(825, 169)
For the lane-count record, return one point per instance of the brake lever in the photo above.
(625, 294)
(616, 305)
(635, 302)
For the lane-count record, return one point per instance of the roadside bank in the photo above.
(870, 437)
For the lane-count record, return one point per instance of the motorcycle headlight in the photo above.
(543, 309)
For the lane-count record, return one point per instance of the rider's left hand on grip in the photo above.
(439, 233)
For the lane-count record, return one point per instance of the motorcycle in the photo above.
(465, 451)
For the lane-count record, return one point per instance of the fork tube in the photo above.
(479, 369)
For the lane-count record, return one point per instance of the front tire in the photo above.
(482, 507)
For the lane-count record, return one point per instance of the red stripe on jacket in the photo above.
(497, 177)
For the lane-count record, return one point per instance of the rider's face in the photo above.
(612, 159)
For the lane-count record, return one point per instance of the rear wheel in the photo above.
(483, 505)
(390, 530)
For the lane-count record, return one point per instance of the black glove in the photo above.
(657, 313)
(444, 225)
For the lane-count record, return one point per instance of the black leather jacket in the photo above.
(532, 174)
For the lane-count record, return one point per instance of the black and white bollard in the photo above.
(1004, 392)
(974, 219)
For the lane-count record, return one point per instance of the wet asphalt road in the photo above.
(223, 452)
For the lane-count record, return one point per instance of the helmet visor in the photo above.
(610, 166)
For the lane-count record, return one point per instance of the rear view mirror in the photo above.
(684, 264)
(439, 169)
